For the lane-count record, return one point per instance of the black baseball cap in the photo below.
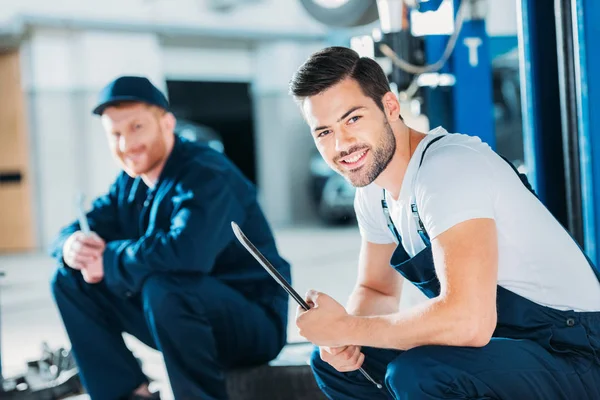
(130, 88)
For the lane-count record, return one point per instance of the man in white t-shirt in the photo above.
(513, 303)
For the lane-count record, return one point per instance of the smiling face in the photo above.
(139, 137)
(350, 131)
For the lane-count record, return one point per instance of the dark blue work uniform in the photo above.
(536, 353)
(176, 278)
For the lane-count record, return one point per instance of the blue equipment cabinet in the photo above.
(467, 106)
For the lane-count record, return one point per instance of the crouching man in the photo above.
(161, 261)
(513, 309)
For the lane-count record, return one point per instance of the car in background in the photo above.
(332, 195)
(199, 133)
(507, 107)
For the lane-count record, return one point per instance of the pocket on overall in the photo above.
(419, 270)
(573, 343)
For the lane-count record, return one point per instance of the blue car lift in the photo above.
(562, 149)
(466, 106)
(561, 134)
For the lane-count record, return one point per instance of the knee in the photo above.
(321, 370)
(163, 299)
(316, 363)
(411, 371)
(324, 373)
(62, 281)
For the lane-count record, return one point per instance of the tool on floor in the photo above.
(51, 377)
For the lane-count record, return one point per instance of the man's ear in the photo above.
(168, 121)
(391, 106)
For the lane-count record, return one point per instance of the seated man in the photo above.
(513, 308)
(162, 262)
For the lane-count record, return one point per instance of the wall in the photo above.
(284, 143)
(502, 18)
(215, 61)
(16, 213)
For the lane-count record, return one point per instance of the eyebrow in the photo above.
(127, 124)
(350, 111)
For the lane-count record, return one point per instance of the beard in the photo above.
(154, 155)
(381, 154)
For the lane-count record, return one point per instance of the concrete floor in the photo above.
(322, 258)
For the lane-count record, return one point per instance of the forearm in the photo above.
(365, 301)
(162, 253)
(434, 322)
(127, 263)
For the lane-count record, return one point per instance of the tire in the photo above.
(350, 14)
(330, 210)
(274, 383)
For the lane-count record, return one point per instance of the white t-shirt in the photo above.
(462, 178)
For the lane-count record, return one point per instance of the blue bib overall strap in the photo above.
(415, 212)
(576, 334)
(421, 227)
(388, 219)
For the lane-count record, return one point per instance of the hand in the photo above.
(80, 250)
(94, 272)
(343, 359)
(325, 323)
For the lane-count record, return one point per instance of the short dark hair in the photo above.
(330, 66)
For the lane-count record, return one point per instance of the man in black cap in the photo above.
(161, 261)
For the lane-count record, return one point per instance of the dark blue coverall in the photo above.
(176, 278)
(536, 352)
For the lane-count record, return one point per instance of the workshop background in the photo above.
(518, 73)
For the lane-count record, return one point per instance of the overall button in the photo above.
(149, 199)
(570, 321)
(128, 294)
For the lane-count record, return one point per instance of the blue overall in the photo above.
(176, 278)
(536, 352)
